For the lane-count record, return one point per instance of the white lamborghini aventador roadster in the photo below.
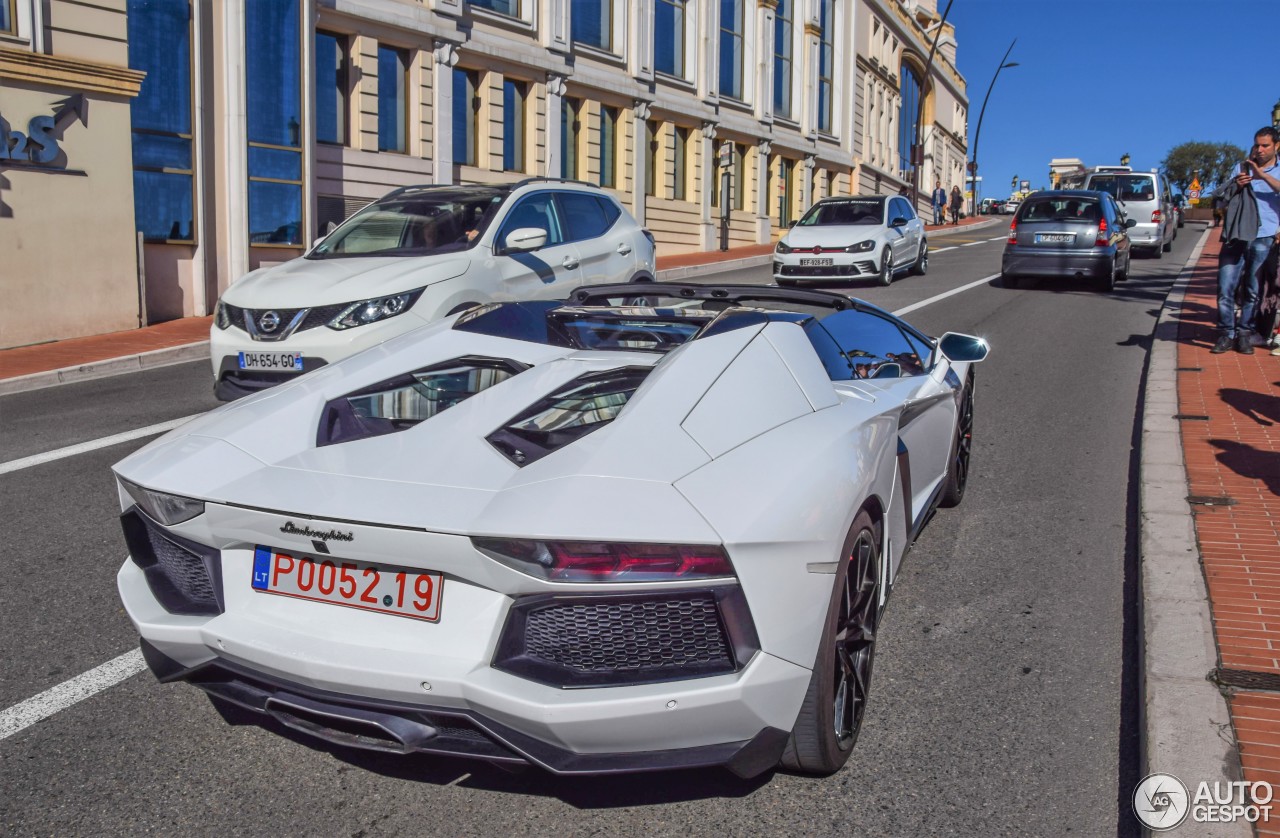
(590, 535)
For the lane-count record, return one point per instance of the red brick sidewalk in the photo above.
(1235, 455)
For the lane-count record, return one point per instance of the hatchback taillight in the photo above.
(1155, 216)
(1103, 238)
(1013, 232)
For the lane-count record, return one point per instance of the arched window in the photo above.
(911, 93)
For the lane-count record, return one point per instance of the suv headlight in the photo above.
(165, 508)
(861, 247)
(365, 312)
(783, 247)
(222, 317)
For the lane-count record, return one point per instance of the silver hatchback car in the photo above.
(1068, 233)
(852, 237)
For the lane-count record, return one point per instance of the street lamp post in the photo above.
(917, 152)
(973, 164)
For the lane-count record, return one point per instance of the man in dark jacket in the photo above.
(1250, 223)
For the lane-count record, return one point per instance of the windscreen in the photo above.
(851, 212)
(417, 224)
(1126, 187)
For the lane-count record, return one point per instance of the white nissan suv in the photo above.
(415, 255)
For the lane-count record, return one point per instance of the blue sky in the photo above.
(1099, 79)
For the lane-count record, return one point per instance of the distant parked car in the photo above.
(1178, 209)
(418, 254)
(1011, 205)
(1068, 233)
(1146, 198)
(852, 237)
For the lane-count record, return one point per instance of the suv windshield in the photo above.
(1126, 187)
(414, 223)
(855, 211)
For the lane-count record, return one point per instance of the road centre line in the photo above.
(92, 445)
(55, 699)
(971, 244)
(997, 239)
(24, 714)
(941, 249)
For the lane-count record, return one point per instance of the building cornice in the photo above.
(69, 73)
(913, 38)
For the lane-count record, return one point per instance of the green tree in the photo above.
(1214, 161)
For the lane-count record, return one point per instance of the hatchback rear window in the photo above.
(1061, 209)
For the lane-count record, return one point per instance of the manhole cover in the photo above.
(1210, 500)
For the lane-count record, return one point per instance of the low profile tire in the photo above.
(1158, 251)
(921, 266)
(886, 267)
(961, 450)
(836, 701)
(1168, 246)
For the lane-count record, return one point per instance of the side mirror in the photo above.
(791, 224)
(898, 222)
(1130, 222)
(525, 239)
(960, 347)
(888, 370)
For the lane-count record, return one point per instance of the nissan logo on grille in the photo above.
(269, 321)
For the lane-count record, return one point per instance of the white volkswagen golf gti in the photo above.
(584, 535)
(413, 256)
(847, 238)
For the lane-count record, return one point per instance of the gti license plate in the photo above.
(402, 591)
(815, 263)
(271, 361)
(1055, 238)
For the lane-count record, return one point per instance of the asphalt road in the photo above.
(1005, 693)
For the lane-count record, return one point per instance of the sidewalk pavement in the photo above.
(187, 339)
(1229, 413)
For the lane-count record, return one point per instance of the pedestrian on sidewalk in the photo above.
(1251, 219)
(956, 202)
(939, 203)
(1268, 322)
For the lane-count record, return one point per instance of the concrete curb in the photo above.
(107, 367)
(1186, 725)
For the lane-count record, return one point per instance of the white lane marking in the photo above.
(998, 239)
(24, 714)
(944, 295)
(92, 445)
(971, 244)
(941, 249)
(112, 672)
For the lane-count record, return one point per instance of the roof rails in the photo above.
(530, 180)
(417, 187)
(597, 294)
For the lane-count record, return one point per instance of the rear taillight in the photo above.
(1104, 238)
(1013, 232)
(1155, 217)
(603, 561)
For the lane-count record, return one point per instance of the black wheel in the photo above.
(1167, 246)
(1108, 282)
(836, 701)
(886, 267)
(1008, 280)
(1124, 274)
(921, 266)
(961, 449)
(1158, 251)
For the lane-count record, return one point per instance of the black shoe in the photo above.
(1243, 345)
(1224, 343)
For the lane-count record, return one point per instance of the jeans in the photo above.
(938, 214)
(1240, 257)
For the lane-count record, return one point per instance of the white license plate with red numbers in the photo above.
(402, 591)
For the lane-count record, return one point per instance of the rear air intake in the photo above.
(184, 576)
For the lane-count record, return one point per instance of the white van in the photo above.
(1144, 197)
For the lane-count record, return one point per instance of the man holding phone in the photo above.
(1250, 224)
